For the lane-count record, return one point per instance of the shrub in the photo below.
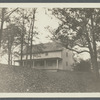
(82, 66)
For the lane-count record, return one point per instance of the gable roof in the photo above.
(46, 47)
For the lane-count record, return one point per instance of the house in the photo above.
(49, 56)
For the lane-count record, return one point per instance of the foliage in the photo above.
(19, 31)
(9, 42)
(82, 66)
(5, 17)
(79, 27)
(75, 25)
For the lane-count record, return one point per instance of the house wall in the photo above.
(60, 66)
(64, 64)
(70, 59)
(67, 59)
(44, 55)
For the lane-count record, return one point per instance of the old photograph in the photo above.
(49, 49)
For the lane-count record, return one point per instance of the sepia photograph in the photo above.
(49, 49)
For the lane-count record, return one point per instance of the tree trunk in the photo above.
(1, 28)
(9, 49)
(9, 57)
(94, 55)
(27, 53)
(33, 21)
(21, 49)
(95, 67)
(22, 39)
(9, 53)
(31, 52)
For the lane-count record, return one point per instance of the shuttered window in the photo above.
(66, 63)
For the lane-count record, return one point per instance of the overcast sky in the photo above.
(43, 20)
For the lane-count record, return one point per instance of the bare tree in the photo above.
(32, 33)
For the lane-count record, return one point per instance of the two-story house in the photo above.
(49, 56)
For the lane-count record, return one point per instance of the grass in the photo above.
(22, 79)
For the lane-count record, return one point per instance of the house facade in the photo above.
(51, 56)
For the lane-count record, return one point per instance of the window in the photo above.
(36, 55)
(66, 63)
(49, 63)
(66, 54)
(35, 63)
(46, 54)
(41, 63)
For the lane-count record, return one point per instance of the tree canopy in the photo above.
(79, 26)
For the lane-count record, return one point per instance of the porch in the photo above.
(50, 63)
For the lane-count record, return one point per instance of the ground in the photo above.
(22, 79)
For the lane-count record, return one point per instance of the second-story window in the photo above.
(66, 63)
(66, 54)
(46, 53)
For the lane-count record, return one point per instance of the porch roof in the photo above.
(40, 59)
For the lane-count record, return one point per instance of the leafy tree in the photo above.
(25, 21)
(83, 65)
(5, 14)
(79, 27)
(10, 35)
(21, 21)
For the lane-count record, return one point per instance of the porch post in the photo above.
(14, 62)
(33, 63)
(57, 63)
(22, 63)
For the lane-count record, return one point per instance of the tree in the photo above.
(32, 33)
(21, 21)
(81, 27)
(10, 35)
(2, 22)
(4, 17)
(24, 21)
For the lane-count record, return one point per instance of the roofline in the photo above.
(37, 59)
(44, 51)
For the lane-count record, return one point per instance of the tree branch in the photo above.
(77, 51)
(60, 19)
(81, 45)
(10, 13)
(72, 48)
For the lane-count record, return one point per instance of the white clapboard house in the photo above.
(49, 56)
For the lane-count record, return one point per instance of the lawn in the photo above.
(22, 79)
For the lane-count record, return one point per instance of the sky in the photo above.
(43, 20)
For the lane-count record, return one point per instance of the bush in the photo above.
(82, 66)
